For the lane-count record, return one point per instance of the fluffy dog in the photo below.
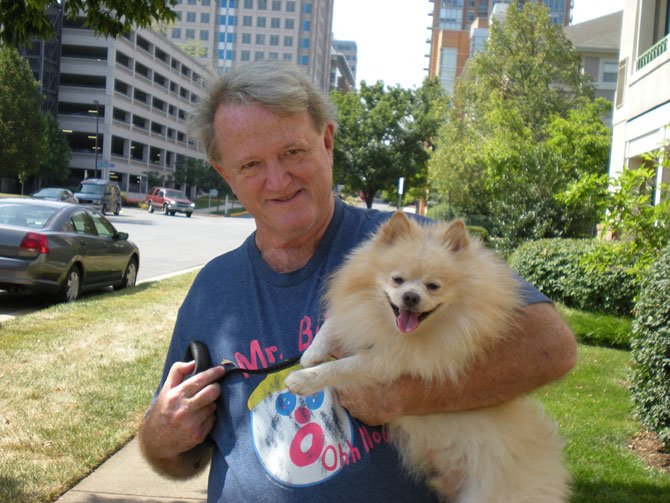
(427, 301)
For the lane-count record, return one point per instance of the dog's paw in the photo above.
(303, 382)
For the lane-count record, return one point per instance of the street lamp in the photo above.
(97, 117)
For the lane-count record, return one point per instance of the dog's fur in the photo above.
(427, 301)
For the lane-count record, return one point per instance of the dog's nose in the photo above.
(410, 299)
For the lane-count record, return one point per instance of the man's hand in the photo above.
(180, 419)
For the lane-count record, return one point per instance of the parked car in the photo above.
(103, 195)
(62, 250)
(56, 194)
(169, 201)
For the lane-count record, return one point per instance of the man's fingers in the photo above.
(178, 373)
(193, 385)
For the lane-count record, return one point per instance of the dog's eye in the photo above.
(398, 280)
(432, 286)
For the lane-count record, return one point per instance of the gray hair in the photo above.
(283, 88)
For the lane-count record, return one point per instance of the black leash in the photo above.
(198, 351)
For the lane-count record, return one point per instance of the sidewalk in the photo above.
(127, 478)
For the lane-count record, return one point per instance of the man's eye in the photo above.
(248, 166)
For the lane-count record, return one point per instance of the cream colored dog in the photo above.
(427, 301)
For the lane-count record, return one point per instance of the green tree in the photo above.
(384, 134)
(22, 20)
(22, 123)
(54, 163)
(522, 105)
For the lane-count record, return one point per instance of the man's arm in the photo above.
(541, 349)
(179, 420)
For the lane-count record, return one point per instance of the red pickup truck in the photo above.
(169, 201)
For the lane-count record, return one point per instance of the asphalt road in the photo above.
(167, 245)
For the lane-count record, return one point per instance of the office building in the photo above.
(349, 50)
(641, 121)
(460, 27)
(299, 31)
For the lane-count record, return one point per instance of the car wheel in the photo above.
(117, 210)
(165, 210)
(150, 208)
(71, 286)
(103, 210)
(188, 215)
(129, 277)
(172, 213)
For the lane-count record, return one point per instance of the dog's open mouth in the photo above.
(408, 321)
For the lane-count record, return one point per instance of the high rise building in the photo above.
(459, 28)
(299, 31)
(349, 50)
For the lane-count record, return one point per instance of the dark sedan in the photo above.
(56, 194)
(62, 250)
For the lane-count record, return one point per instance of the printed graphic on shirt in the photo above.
(299, 440)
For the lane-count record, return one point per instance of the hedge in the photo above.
(650, 350)
(556, 267)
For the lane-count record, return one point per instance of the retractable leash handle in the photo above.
(198, 351)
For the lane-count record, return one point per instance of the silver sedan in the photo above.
(62, 250)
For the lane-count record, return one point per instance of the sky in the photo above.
(391, 37)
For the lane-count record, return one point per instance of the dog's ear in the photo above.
(398, 225)
(456, 236)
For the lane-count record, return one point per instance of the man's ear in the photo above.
(329, 137)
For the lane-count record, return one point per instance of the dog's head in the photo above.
(416, 273)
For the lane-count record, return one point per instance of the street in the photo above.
(167, 245)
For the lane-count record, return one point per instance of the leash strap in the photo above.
(199, 352)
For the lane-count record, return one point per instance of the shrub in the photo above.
(441, 211)
(557, 268)
(651, 350)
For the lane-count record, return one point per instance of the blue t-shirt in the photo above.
(271, 445)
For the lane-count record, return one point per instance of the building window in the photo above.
(306, 25)
(289, 24)
(247, 21)
(610, 70)
(304, 43)
(275, 22)
(204, 17)
(190, 34)
(290, 6)
(304, 60)
(245, 55)
(246, 38)
(260, 39)
(308, 8)
(262, 4)
(248, 4)
(204, 34)
(259, 55)
(288, 41)
(274, 39)
(190, 17)
(276, 5)
(621, 82)
(288, 57)
(176, 32)
(260, 22)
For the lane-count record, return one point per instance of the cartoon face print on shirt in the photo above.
(299, 440)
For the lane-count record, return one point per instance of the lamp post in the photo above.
(97, 117)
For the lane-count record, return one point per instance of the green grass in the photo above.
(77, 378)
(598, 329)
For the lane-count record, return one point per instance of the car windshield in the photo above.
(175, 194)
(48, 193)
(90, 188)
(25, 215)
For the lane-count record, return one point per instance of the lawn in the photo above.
(77, 379)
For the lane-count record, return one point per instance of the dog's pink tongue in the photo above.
(407, 321)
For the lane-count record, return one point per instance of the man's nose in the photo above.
(277, 175)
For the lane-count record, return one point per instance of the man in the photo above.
(270, 135)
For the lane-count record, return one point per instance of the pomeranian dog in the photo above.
(426, 301)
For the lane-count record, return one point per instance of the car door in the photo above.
(113, 262)
(91, 248)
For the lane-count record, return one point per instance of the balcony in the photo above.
(659, 48)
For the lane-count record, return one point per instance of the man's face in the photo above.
(279, 167)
